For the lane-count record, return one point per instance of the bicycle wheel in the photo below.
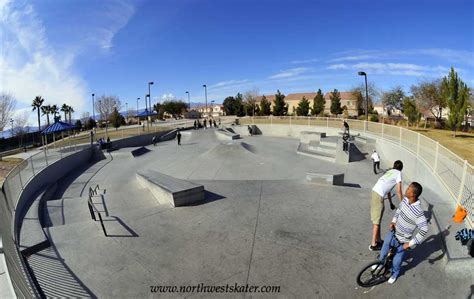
(373, 274)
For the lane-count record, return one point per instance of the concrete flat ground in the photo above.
(261, 224)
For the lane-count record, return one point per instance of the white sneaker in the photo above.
(392, 280)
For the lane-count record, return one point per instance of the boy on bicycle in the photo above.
(407, 218)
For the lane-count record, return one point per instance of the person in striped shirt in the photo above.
(407, 218)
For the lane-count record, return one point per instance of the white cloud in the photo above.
(30, 66)
(290, 73)
(115, 16)
(404, 69)
(228, 83)
(304, 61)
(448, 55)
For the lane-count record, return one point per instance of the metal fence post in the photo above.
(290, 120)
(418, 145)
(463, 180)
(46, 157)
(327, 122)
(32, 167)
(400, 135)
(383, 126)
(436, 158)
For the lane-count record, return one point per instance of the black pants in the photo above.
(376, 164)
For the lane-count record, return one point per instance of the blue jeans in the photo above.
(390, 241)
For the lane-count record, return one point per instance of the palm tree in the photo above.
(46, 110)
(65, 108)
(37, 103)
(54, 110)
(70, 111)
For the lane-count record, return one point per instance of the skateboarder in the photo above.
(178, 136)
(376, 159)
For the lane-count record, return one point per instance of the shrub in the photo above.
(374, 118)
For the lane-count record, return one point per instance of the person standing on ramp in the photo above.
(178, 136)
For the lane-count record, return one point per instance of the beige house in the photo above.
(212, 110)
(292, 99)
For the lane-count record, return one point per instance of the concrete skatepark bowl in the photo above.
(261, 223)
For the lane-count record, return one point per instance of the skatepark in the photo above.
(284, 207)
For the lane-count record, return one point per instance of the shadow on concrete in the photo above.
(356, 155)
(132, 234)
(432, 244)
(208, 197)
(471, 294)
(351, 185)
(55, 278)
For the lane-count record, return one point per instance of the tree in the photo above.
(105, 104)
(46, 110)
(280, 108)
(318, 103)
(116, 119)
(37, 103)
(54, 111)
(411, 110)
(65, 109)
(250, 97)
(393, 99)
(428, 96)
(78, 124)
(359, 93)
(174, 107)
(7, 105)
(159, 109)
(345, 111)
(239, 107)
(229, 105)
(456, 94)
(70, 111)
(335, 98)
(90, 124)
(265, 106)
(303, 107)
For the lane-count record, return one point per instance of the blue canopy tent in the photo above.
(57, 127)
(145, 113)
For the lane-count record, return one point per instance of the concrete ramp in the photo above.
(224, 134)
(325, 179)
(139, 151)
(170, 190)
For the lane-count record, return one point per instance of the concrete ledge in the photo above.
(303, 150)
(325, 179)
(170, 190)
(308, 136)
(225, 134)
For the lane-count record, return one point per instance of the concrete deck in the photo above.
(261, 224)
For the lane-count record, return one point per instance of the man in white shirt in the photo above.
(382, 188)
(376, 159)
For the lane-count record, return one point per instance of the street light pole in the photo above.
(126, 110)
(366, 96)
(138, 99)
(11, 122)
(149, 98)
(189, 101)
(93, 108)
(212, 111)
(205, 92)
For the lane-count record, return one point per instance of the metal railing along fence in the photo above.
(455, 173)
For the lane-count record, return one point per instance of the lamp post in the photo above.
(212, 109)
(11, 122)
(189, 101)
(93, 108)
(366, 96)
(126, 110)
(205, 93)
(138, 99)
(149, 98)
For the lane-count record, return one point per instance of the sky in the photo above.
(67, 50)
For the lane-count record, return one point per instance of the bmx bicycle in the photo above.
(377, 272)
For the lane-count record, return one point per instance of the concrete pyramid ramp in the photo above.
(170, 190)
(231, 149)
